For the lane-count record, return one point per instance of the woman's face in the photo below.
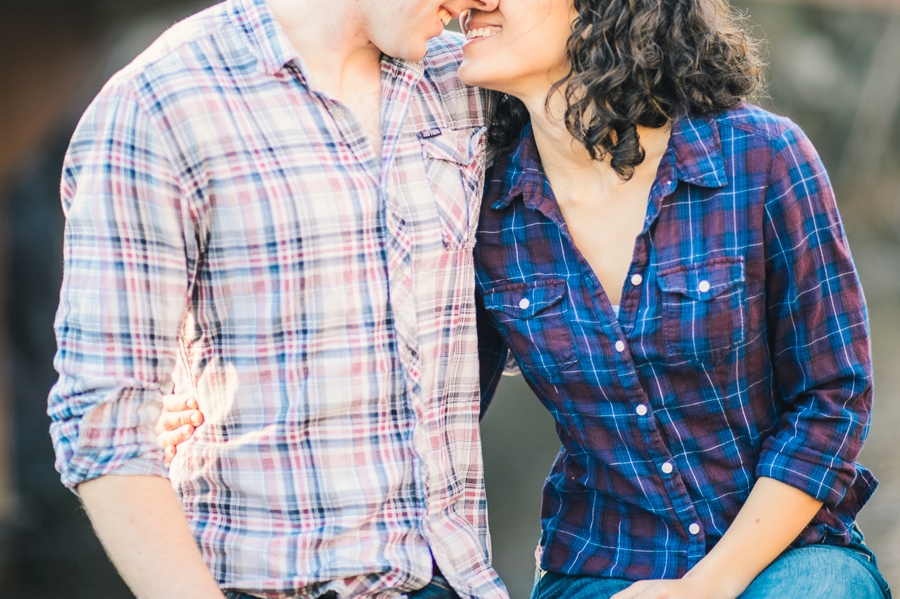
(519, 48)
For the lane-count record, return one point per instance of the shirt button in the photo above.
(620, 346)
(667, 468)
(641, 410)
(524, 303)
(694, 528)
(338, 114)
(704, 286)
(636, 280)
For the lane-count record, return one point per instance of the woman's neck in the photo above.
(568, 165)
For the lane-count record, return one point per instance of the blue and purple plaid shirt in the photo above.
(741, 348)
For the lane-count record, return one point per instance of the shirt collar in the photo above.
(698, 151)
(524, 175)
(272, 48)
(695, 143)
(264, 35)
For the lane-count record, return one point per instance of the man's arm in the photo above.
(145, 533)
(130, 258)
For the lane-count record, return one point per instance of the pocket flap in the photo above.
(524, 300)
(449, 145)
(703, 281)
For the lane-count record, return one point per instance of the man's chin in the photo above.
(409, 52)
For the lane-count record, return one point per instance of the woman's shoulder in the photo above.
(754, 120)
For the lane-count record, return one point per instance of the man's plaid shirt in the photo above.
(229, 223)
(741, 347)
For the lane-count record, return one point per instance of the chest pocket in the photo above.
(533, 319)
(704, 309)
(454, 164)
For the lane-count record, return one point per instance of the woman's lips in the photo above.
(481, 32)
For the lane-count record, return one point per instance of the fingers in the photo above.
(169, 421)
(172, 438)
(171, 450)
(180, 403)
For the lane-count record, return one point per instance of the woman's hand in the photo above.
(773, 515)
(180, 417)
(689, 587)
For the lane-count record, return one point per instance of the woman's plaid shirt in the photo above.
(741, 348)
(229, 223)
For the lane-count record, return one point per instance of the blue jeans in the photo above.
(813, 572)
(438, 588)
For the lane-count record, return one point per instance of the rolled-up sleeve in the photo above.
(818, 330)
(129, 254)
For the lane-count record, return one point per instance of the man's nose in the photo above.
(457, 6)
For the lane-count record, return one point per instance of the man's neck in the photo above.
(340, 59)
(332, 42)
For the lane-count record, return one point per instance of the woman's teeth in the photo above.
(482, 32)
(445, 16)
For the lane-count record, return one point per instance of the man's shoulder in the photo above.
(180, 53)
(464, 104)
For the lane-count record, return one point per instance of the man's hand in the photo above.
(180, 417)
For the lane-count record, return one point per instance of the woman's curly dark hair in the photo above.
(643, 62)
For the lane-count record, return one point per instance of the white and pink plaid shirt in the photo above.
(231, 233)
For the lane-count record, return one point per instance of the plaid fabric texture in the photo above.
(741, 348)
(231, 234)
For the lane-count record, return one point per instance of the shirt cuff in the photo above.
(824, 483)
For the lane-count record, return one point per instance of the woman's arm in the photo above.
(770, 520)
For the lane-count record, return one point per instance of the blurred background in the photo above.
(834, 68)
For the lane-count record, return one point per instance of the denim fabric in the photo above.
(822, 571)
(811, 572)
(438, 588)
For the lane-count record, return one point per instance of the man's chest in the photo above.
(292, 185)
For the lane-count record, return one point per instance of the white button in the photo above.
(667, 469)
(636, 280)
(620, 346)
(694, 528)
(641, 410)
(524, 303)
(338, 114)
(704, 286)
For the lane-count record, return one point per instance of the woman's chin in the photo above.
(471, 73)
